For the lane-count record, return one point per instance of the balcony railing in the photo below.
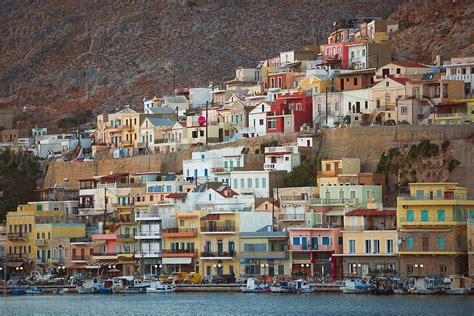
(148, 234)
(310, 247)
(447, 115)
(218, 227)
(126, 237)
(17, 236)
(180, 251)
(105, 254)
(369, 227)
(17, 255)
(41, 242)
(218, 254)
(263, 254)
(148, 253)
(319, 201)
(81, 258)
(292, 217)
(269, 166)
(432, 220)
(432, 197)
(146, 215)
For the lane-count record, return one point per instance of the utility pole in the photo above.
(105, 208)
(207, 118)
(327, 107)
(174, 80)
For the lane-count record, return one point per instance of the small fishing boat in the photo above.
(301, 286)
(160, 287)
(457, 285)
(128, 285)
(18, 291)
(253, 287)
(106, 287)
(33, 290)
(355, 286)
(383, 286)
(88, 286)
(422, 285)
(282, 287)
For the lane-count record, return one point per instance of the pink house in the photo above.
(106, 245)
(336, 55)
(311, 251)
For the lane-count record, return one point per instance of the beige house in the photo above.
(385, 96)
(400, 69)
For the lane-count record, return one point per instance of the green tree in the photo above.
(19, 173)
(305, 174)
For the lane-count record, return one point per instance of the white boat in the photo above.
(33, 290)
(457, 285)
(128, 284)
(88, 287)
(301, 286)
(160, 287)
(283, 287)
(422, 285)
(253, 287)
(355, 286)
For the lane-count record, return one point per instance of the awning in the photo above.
(176, 261)
(101, 263)
(76, 266)
(14, 264)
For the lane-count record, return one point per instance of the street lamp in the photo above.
(156, 268)
(354, 271)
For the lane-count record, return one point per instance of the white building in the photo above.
(259, 183)
(258, 120)
(461, 69)
(199, 96)
(358, 101)
(281, 158)
(213, 165)
(357, 53)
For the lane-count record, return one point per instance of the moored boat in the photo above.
(422, 285)
(253, 287)
(33, 290)
(160, 287)
(106, 287)
(457, 285)
(88, 286)
(128, 284)
(355, 286)
(282, 287)
(301, 286)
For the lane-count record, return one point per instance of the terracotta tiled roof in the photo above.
(409, 64)
(177, 195)
(400, 80)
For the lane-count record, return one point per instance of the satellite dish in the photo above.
(399, 241)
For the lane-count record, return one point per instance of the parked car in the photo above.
(177, 277)
(163, 278)
(389, 123)
(148, 277)
(404, 122)
(193, 278)
(225, 279)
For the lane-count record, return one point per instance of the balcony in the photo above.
(180, 253)
(319, 201)
(330, 173)
(264, 255)
(218, 170)
(464, 77)
(281, 150)
(358, 228)
(218, 228)
(180, 232)
(81, 258)
(147, 216)
(309, 247)
(218, 255)
(149, 254)
(17, 236)
(292, 217)
(17, 255)
(456, 115)
(433, 221)
(148, 235)
(41, 242)
(124, 238)
(269, 166)
(127, 143)
(449, 197)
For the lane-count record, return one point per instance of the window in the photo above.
(242, 183)
(236, 184)
(443, 269)
(355, 81)
(376, 245)
(296, 241)
(352, 246)
(366, 105)
(389, 246)
(249, 183)
(399, 71)
(409, 268)
(340, 241)
(368, 246)
(257, 183)
(410, 242)
(264, 183)
(441, 242)
(325, 240)
(410, 216)
(441, 216)
(272, 123)
(424, 215)
(387, 83)
(404, 110)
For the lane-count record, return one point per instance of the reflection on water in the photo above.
(236, 303)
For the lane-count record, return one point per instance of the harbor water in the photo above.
(235, 304)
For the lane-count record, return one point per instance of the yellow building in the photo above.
(455, 111)
(219, 233)
(385, 95)
(52, 241)
(315, 84)
(181, 244)
(369, 242)
(431, 221)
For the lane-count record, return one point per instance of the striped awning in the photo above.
(101, 263)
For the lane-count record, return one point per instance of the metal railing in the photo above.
(369, 227)
(17, 236)
(148, 234)
(213, 254)
(179, 230)
(81, 258)
(292, 217)
(334, 201)
(432, 197)
(211, 227)
(431, 219)
(310, 247)
(139, 215)
(269, 166)
(264, 254)
(180, 251)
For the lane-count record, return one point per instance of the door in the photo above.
(231, 248)
(304, 243)
(426, 243)
(385, 72)
(220, 248)
(314, 243)
(342, 84)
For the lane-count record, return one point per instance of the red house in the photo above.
(289, 112)
(336, 55)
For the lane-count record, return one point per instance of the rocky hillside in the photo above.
(60, 56)
(431, 27)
